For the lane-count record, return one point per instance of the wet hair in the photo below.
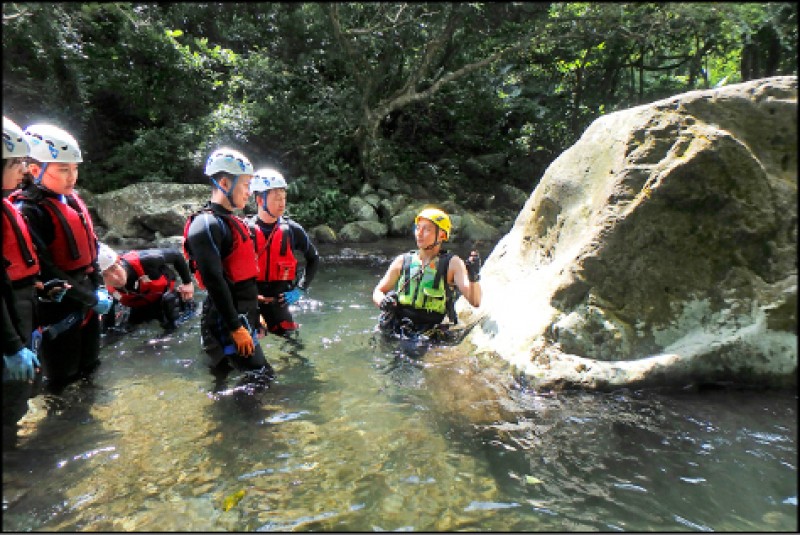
(27, 180)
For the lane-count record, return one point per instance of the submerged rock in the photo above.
(659, 249)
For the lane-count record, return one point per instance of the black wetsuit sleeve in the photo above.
(12, 341)
(205, 240)
(158, 261)
(301, 242)
(175, 258)
(42, 233)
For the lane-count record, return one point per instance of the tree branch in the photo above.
(353, 64)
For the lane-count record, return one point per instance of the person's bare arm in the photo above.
(457, 272)
(388, 282)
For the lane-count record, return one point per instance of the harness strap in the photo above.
(285, 231)
(406, 271)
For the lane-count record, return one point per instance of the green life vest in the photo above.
(425, 292)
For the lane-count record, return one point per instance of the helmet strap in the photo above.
(229, 193)
(436, 242)
(41, 174)
(264, 196)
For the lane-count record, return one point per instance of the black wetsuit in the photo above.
(155, 263)
(18, 308)
(74, 353)
(209, 240)
(277, 315)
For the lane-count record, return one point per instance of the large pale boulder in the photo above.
(659, 249)
(147, 209)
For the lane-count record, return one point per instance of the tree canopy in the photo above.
(338, 94)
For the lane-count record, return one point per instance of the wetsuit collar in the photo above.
(218, 208)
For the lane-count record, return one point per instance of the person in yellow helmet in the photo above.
(418, 290)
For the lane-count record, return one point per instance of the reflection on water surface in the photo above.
(354, 435)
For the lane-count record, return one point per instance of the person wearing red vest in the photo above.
(220, 251)
(21, 270)
(21, 291)
(144, 282)
(62, 232)
(276, 238)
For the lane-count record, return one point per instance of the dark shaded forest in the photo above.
(341, 94)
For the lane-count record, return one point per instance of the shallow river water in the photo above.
(356, 435)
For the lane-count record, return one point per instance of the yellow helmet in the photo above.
(439, 218)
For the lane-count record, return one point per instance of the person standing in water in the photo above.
(276, 238)
(63, 233)
(417, 292)
(220, 251)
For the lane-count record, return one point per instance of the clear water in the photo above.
(354, 435)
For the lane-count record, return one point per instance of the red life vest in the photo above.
(240, 264)
(148, 291)
(276, 261)
(18, 247)
(75, 244)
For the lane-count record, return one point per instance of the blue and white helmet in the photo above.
(15, 143)
(228, 161)
(266, 179)
(52, 144)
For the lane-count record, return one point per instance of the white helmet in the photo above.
(266, 179)
(51, 144)
(106, 256)
(15, 143)
(228, 161)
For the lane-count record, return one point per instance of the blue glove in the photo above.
(19, 366)
(292, 296)
(104, 301)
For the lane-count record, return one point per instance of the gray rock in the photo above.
(659, 249)
(362, 231)
(323, 234)
(362, 210)
(402, 224)
(142, 210)
(170, 242)
(472, 228)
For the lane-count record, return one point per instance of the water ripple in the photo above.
(489, 506)
(284, 417)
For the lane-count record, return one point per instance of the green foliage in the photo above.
(324, 206)
(336, 94)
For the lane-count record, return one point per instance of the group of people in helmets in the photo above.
(53, 294)
(247, 265)
(61, 285)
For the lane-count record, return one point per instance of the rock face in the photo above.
(659, 249)
(148, 209)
